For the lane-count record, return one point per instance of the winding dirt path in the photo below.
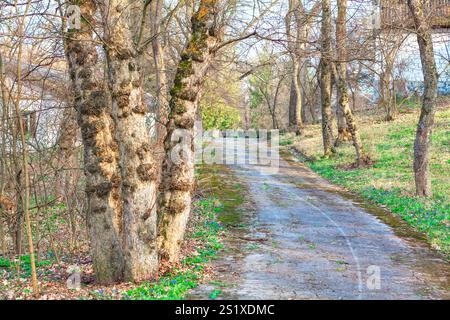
(307, 239)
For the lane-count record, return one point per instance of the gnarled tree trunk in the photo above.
(138, 169)
(341, 79)
(100, 149)
(178, 169)
(426, 121)
(342, 131)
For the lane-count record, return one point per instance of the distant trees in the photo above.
(390, 42)
(221, 99)
(298, 23)
(220, 116)
(265, 87)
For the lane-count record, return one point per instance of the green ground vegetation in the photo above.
(389, 182)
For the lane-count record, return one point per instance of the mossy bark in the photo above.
(100, 149)
(138, 170)
(426, 121)
(178, 168)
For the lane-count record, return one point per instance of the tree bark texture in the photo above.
(341, 77)
(100, 149)
(138, 169)
(325, 78)
(178, 169)
(295, 101)
(426, 121)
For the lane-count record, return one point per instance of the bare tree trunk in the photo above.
(25, 158)
(3, 244)
(247, 121)
(67, 155)
(325, 78)
(303, 80)
(272, 110)
(100, 149)
(389, 49)
(295, 101)
(178, 169)
(3, 154)
(388, 95)
(339, 71)
(312, 99)
(67, 159)
(275, 102)
(341, 79)
(426, 121)
(291, 107)
(139, 171)
(342, 134)
(9, 123)
(18, 224)
(297, 42)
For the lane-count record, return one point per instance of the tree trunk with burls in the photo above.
(325, 78)
(342, 131)
(100, 149)
(137, 166)
(426, 121)
(178, 169)
(341, 79)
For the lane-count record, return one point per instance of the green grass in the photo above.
(390, 181)
(285, 141)
(25, 265)
(175, 285)
(215, 294)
